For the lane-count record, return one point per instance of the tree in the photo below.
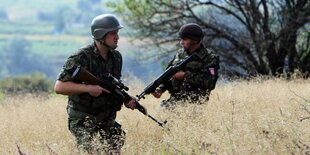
(18, 59)
(251, 36)
(31, 83)
(18, 50)
(3, 14)
(60, 23)
(303, 44)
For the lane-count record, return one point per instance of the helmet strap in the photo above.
(106, 45)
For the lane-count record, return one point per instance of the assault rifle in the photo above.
(167, 75)
(114, 86)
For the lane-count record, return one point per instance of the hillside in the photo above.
(53, 30)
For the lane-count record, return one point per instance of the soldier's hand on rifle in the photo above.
(157, 93)
(95, 90)
(179, 75)
(131, 104)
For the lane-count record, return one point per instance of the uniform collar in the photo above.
(95, 50)
(200, 51)
(97, 53)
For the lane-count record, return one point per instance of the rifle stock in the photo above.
(83, 75)
(113, 86)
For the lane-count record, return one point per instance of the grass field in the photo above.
(241, 117)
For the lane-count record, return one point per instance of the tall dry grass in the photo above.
(241, 117)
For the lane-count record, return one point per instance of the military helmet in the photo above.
(103, 24)
(192, 31)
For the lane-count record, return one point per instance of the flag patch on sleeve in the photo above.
(212, 71)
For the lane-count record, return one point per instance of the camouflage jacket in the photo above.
(200, 74)
(103, 106)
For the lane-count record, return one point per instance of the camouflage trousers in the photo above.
(97, 138)
(186, 97)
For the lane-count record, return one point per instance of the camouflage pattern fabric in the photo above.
(90, 116)
(94, 137)
(90, 59)
(200, 77)
(183, 98)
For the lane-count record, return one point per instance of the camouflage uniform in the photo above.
(200, 78)
(89, 116)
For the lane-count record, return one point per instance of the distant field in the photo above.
(56, 48)
(242, 117)
(37, 4)
(40, 36)
(49, 31)
(25, 9)
(54, 45)
(25, 27)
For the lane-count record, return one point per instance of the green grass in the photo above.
(55, 47)
(25, 27)
(37, 28)
(46, 5)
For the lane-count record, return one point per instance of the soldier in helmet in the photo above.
(91, 112)
(194, 82)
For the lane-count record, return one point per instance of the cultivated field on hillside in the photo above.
(241, 117)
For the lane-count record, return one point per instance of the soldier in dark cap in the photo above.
(194, 82)
(91, 110)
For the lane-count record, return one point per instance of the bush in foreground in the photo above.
(33, 83)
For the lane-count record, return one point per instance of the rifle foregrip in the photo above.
(141, 108)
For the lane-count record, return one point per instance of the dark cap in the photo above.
(192, 31)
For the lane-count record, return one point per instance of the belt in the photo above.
(101, 117)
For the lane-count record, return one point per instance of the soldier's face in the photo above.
(185, 42)
(112, 38)
(189, 45)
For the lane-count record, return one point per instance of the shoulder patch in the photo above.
(70, 64)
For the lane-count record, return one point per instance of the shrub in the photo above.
(33, 83)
